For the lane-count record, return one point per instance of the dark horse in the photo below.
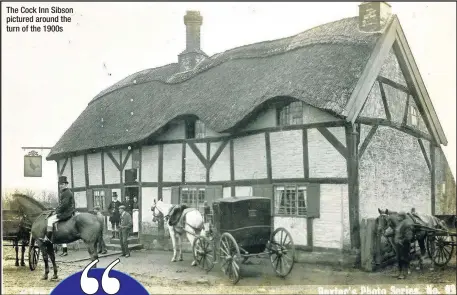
(84, 226)
(405, 228)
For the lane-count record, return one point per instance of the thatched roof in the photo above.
(319, 66)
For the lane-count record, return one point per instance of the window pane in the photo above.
(301, 202)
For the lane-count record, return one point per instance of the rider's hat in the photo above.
(63, 179)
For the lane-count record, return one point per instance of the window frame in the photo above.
(200, 129)
(99, 193)
(291, 114)
(413, 114)
(136, 159)
(196, 196)
(276, 208)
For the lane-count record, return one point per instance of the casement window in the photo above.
(290, 200)
(295, 200)
(195, 129)
(291, 114)
(195, 196)
(413, 116)
(99, 199)
(200, 129)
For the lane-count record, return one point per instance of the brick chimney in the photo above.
(190, 57)
(373, 16)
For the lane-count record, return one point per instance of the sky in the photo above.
(49, 78)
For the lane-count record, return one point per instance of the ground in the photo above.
(159, 275)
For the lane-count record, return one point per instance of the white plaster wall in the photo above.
(296, 226)
(79, 176)
(94, 164)
(287, 154)
(172, 162)
(150, 163)
(112, 174)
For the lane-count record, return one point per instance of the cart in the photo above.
(241, 228)
(441, 243)
(17, 223)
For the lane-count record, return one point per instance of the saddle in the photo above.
(175, 214)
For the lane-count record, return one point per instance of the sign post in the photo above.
(33, 162)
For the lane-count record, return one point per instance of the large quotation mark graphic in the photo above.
(90, 285)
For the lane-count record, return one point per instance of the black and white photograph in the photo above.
(217, 147)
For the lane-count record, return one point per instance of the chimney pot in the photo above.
(373, 16)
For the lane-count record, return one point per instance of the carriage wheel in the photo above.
(34, 254)
(440, 249)
(203, 252)
(230, 256)
(282, 252)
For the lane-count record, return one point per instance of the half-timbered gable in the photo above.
(330, 124)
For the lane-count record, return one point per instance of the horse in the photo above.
(84, 226)
(193, 225)
(404, 230)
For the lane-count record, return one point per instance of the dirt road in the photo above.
(155, 271)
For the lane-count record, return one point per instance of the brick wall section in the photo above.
(112, 174)
(94, 165)
(148, 194)
(149, 163)
(80, 199)
(195, 170)
(172, 162)
(220, 170)
(67, 170)
(393, 174)
(374, 107)
(331, 228)
(295, 226)
(287, 154)
(243, 191)
(250, 157)
(79, 175)
(324, 159)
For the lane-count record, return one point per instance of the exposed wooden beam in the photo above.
(305, 153)
(402, 128)
(110, 155)
(424, 153)
(370, 73)
(394, 84)
(208, 161)
(268, 155)
(334, 141)
(63, 166)
(183, 163)
(413, 77)
(218, 152)
(432, 176)
(160, 176)
(367, 140)
(71, 173)
(86, 170)
(199, 155)
(232, 166)
(384, 102)
(103, 167)
(405, 114)
(126, 159)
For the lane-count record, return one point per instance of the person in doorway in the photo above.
(113, 208)
(64, 211)
(128, 204)
(101, 219)
(135, 204)
(125, 228)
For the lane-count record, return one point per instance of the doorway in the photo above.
(132, 200)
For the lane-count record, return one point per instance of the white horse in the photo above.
(193, 226)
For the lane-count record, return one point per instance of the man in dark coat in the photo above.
(114, 212)
(64, 210)
(128, 205)
(126, 227)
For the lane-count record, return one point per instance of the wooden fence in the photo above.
(376, 251)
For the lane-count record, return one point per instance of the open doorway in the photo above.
(132, 203)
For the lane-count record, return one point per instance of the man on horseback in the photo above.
(65, 209)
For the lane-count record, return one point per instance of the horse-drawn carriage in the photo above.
(441, 243)
(17, 223)
(241, 228)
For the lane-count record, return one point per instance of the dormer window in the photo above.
(195, 129)
(413, 116)
(291, 114)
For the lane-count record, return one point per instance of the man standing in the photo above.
(128, 205)
(114, 213)
(126, 226)
(64, 211)
(101, 219)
